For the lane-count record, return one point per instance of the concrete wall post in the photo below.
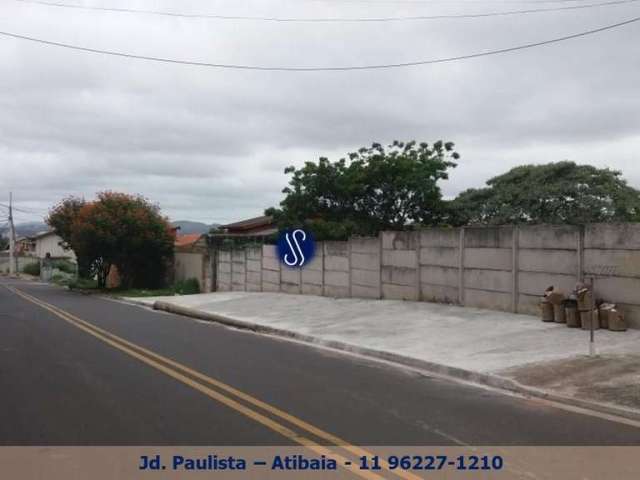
(461, 267)
(580, 253)
(515, 247)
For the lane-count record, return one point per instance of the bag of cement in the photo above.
(556, 298)
(616, 320)
(559, 313)
(589, 316)
(604, 309)
(546, 310)
(584, 297)
(571, 314)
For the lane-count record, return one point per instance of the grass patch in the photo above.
(82, 284)
(141, 292)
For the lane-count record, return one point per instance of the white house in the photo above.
(49, 242)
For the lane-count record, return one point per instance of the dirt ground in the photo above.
(606, 378)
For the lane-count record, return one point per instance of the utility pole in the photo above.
(12, 239)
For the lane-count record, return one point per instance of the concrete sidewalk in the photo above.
(488, 343)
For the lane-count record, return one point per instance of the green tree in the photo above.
(4, 243)
(61, 219)
(375, 188)
(117, 229)
(557, 193)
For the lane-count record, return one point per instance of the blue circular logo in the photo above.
(296, 247)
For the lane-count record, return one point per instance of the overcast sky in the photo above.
(211, 144)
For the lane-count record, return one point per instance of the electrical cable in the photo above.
(336, 19)
(321, 68)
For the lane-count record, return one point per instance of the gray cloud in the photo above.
(211, 144)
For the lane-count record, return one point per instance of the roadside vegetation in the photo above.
(397, 187)
(116, 229)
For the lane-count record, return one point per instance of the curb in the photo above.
(129, 300)
(494, 381)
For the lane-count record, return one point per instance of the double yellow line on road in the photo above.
(231, 397)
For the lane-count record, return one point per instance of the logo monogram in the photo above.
(295, 247)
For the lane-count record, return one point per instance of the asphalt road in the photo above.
(64, 382)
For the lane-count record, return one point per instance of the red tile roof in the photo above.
(251, 223)
(187, 240)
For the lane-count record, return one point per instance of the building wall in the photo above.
(51, 244)
(191, 265)
(21, 260)
(500, 268)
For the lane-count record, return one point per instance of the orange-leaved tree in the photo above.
(123, 230)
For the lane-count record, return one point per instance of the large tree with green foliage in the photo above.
(117, 229)
(373, 189)
(60, 219)
(557, 193)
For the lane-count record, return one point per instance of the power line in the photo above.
(335, 19)
(320, 68)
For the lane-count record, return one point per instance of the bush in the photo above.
(32, 269)
(82, 283)
(64, 266)
(189, 286)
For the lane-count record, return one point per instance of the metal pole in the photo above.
(12, 238)
(592, 343)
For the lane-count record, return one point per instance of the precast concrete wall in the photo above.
(400, 268)
(191, 265)
(254, 269)
(503, 268)
(439, 258)
(365, 267)
(337, 280)
(223, 274)
(270, 269)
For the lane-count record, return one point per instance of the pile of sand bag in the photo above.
(579, 310)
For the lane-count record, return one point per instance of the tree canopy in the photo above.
(373, 189)
(557, 193)
(116, 229)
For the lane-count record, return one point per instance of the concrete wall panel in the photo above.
(438, 293)
(332, 262)
(440, 237)
(489, 300)
(399, 292)
(336, 279)
(311, 289)
(550, 261)
(535, 283)
(488, 237)
(618, 290)
(365, 278)
(400, 276)
(366, 261)
(492, 280)
(254, 265)
(549, 236)
(441, 256)
(311, 277)
(610, 235)
(270, 263)
(270, 276)
(399, 258)
(620, 263)
(336, 292)
(400, 240)
(445, 276)
(489, 258)
(365, 245)
(359, 291)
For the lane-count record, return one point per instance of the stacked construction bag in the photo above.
(578, 309)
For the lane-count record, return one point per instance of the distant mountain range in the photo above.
(188, 227)
(26, 229)
(29, 229)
